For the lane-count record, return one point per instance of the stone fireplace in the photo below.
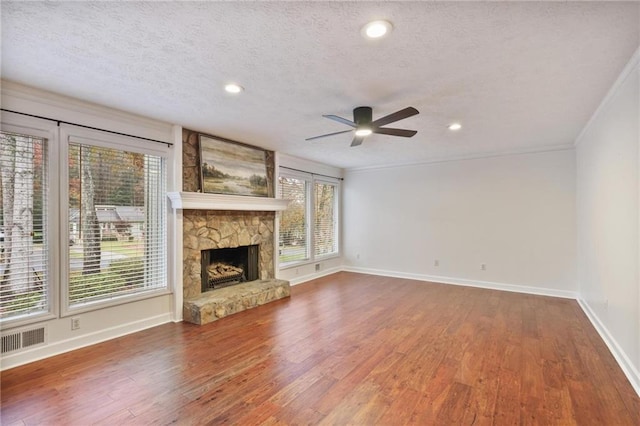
(206, 230)
(225, 223)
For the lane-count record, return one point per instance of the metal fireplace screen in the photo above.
(229, 266)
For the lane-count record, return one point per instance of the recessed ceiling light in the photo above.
(233, 88)
(376, 29)
(455, 126)
(363, 132)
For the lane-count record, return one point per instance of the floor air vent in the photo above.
(22, 339)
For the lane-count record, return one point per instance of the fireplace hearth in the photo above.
(224, 267)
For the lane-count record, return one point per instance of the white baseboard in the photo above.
(313, 276)
(632, 373)
(56, 348)
(541, 291)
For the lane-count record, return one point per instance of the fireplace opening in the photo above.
(229, 266)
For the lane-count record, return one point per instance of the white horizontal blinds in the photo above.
(325, 235)
(155, 226)
(294, 238)
(116, 223)
(24, 268)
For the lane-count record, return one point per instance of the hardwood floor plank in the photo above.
(345, 349)
(309, 396)
(259, 415)
(507, 408)
(119, 417)
(401, 408)
(341, 412)
(457, 408)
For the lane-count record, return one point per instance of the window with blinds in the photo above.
(294, 232)
(325, 219)
(309, 226)
(24, 270)
(117, 237)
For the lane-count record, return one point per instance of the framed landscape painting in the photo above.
(232, 168)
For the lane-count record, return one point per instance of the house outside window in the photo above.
(117, 199)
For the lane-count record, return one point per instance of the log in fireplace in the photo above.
(228, 266)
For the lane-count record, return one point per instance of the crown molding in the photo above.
(477, 156)
(633, 64)
(31, 100)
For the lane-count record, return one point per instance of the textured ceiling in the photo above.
(519, 76)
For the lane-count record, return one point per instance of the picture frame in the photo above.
(232, 168)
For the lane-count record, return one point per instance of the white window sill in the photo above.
(285, 266)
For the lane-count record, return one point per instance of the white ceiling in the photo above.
(519, 76)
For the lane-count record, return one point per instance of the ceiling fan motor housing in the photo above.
(363, 116)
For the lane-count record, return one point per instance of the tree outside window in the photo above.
(23, 266)
(309, 225)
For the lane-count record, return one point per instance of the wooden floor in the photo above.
(345, 349)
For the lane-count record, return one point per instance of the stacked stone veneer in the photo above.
(210, 229)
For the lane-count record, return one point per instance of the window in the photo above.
(309, 226)
(326, 230)
(116, 216)
(24, 266)
(82, 219)
(294, 232)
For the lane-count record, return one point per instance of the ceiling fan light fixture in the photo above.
(233, 88)
(454, 127)
(376, 29)
(363, 131)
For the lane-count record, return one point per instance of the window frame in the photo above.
(311, 180)
(71, 134)
(31, 126)
(307, 215)
(336, 216)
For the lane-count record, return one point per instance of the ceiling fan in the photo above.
(364, 126)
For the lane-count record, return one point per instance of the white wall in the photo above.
(608, 220)
(106, 323)
(515, 214)
(302, 273)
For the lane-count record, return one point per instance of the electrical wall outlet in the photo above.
(317, 266)
(483, 267)
(436, 262)
(75, 323)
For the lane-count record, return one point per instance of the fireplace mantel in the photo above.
(200, 201)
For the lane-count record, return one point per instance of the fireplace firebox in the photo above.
(228, 266)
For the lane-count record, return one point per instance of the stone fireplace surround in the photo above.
(224, 221)
(209, 229)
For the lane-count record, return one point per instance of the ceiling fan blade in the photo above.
(357, 140)
(328, 134)
(396, 116)
(395, 132)
(340, 120)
